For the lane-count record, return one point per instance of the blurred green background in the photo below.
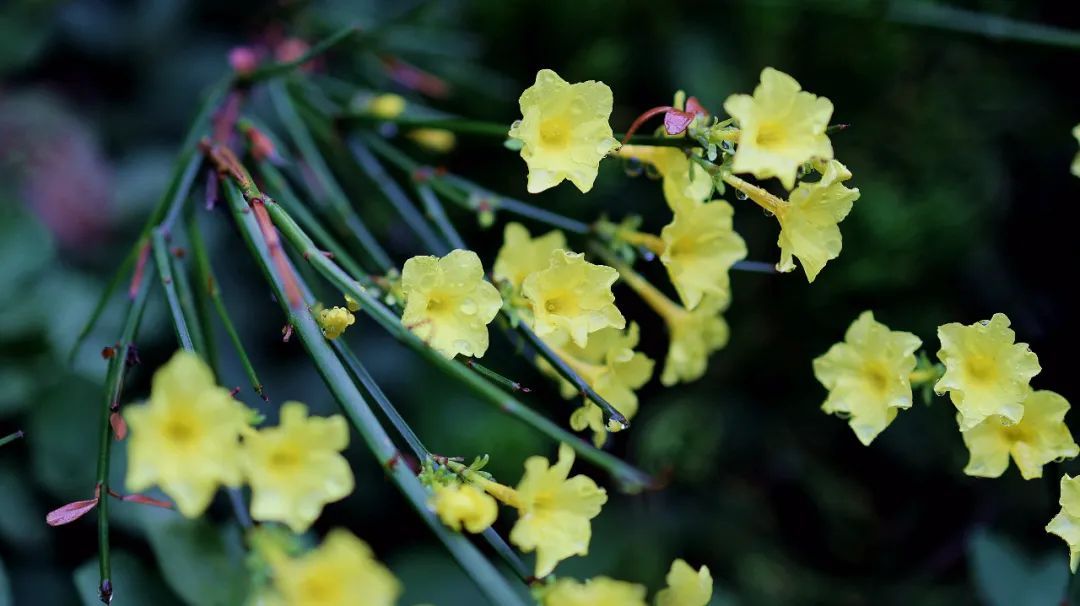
(959, 141)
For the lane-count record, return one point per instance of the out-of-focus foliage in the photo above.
(961, 148)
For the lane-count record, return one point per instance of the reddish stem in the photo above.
(140, 269)
(643, 118)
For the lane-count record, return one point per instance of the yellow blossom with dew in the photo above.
(340, 572)
(809, 222)
(986, 372)
(521, 254)
(572, 298)
(868, 375)
(1066, 524)
(700, 246)
(554, 510)
(386, 106)
(465, 505)
(612, 368)
(186, 439)
(780, 127)
(683, 181)
(334, 321)
(448, 303)
(1040, 437)
(686, 586)
(1076, 159)
(438, 140)
(296, 468)
(599, 591)
(564, 131)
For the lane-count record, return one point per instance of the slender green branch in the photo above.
(933, 14)
(334, 195)
(631, 478)
(277, 69)
(435, 211)
(397, 197)
(284, 195)
(200, 293)
(11, 437)
(336, 377)
(522, 209)
(161, 257)
(199, 338)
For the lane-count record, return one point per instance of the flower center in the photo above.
(876, 376)
(437, 304)
(769, 135)
(980, 368)
(180, 431)
(555, 132)
(284, 459)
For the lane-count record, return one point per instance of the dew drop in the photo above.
(633, 167)
(652, 172)
(468, 307)
(740, 194)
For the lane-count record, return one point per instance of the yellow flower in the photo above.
(1040, 437)
(700, 246)
(334, 321)
(986, 371)
(868, 375)
(694, 336)
(1076, 160)
(599, 591)
(295, 468)
(554, 512)
(522, 255)
(464, 504)
(448, 303)
(572, 297)
(683, 181)
(340, 572)
(610, 366)
(686, 587)
(808, 223)
(781, 127)
(386, 106)
(186, 439)
(438, 140)
(1066, 524)
(352, 304)
(564, 131)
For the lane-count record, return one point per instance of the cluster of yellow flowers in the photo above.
(555, 513)
(987, 376)
(193, 437)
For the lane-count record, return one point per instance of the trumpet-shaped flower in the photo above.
(684, 183)
(781, 127)
(522, 254)
(334, 321)
(610, 366)
(564, 131)
(868, 375)
(686, 586)
(296, 468)
(808, 223)
(986, 372)
(448, 303)
(599, 591)
(460, 505)
(555, 511)
(1066, 524)
(1040, 437)
(340, 572)
(700, 246)
(186, 439)
(694, 335)
(572, 298)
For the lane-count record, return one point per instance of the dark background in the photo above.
(959, 141)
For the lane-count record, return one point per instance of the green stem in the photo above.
(11, 437)
(437, 214)
(284, 195)
(397, 197)
(334, 195)
(277, 69)
(632, 479)
(336, 377)
(202, 301)
(161, 257)
(932, 14)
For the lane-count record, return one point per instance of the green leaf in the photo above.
(200, 563)
(133, 583)
(1005, 576)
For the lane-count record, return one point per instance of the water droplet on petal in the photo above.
(740, 194)
(633, 167)
(468, 307)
